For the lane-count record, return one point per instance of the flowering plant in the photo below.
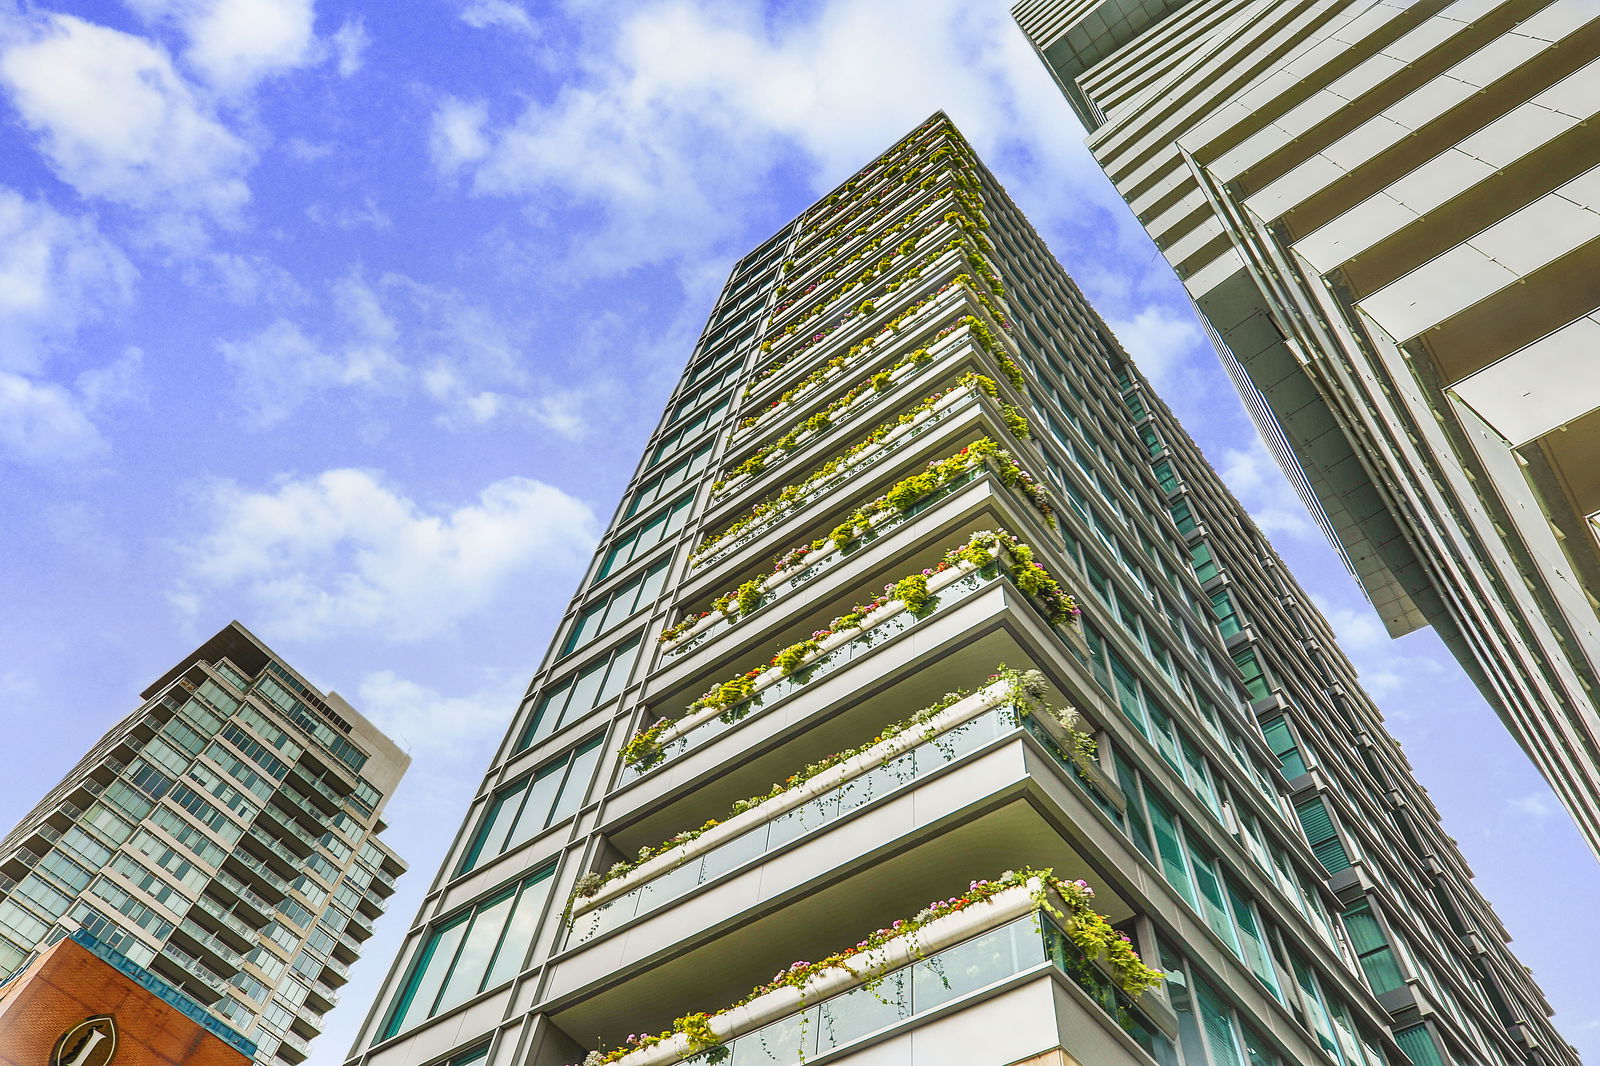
(981, 550)
(1086, 928)
(1024, 690)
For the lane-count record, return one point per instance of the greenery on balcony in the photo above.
(877, 954)
(899, 496)
(1023, 690)
(911, 593)
(819, 422)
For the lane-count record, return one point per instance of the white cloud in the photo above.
(350, 42)
(56, 272)
(344, 552)
(458, 135)
(1539, 805)
(236, 43)
(481, 14)
(118, 123)
(673, 122)
(1255, 477)
(1164, 344)
(448, 728)
(399, 338)
(43, 424)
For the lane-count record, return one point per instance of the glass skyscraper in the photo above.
(224, 837)
(930, 700)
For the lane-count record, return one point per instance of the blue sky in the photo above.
(350, 321)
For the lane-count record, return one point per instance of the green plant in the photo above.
(1088, 930)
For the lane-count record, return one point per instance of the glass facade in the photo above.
(899, 374)
(225, 836)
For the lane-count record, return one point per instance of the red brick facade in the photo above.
(67, 984)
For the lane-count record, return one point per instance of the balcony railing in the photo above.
(877, 773)
(226, 952)
(698, 729)
(193, 967)
(819, 561)
(853, 468)
(260, 869)
(275, 846)
(216, 910)
(243, 891)
(778, 1029)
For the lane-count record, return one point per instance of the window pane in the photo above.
(428, 975)
(466, 980)
(577, 782)
(497, 826)
(519, 931)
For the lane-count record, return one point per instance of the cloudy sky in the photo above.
(349, 321)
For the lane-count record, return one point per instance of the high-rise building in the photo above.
(1388, 216)
(223, 836)
(826, 667)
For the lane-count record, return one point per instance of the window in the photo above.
(1226, 615)
(1151, 440)
(1372, 949)
(706, 388)
(1183, 516)
(659, 486)
(1165, 477)
(1255, 679)
(685, 433)
(1322, 835)
(470, 952)
(1205, 567)
(1281, 740)
(613, 609)
(1419, 1046)
(666, 521)
(524, 808)
(575, 696)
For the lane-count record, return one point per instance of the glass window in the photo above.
(1372, 949)
(1322, 835)
(1226, 615)
(646, 536)
(523, 809)
(1281, 739)
(470, 952)
(657, 487)
(687, 432)
(613, 609)
(1183, 516)
(1255, 679)
(570, 699)
(1169, 846)
(1205, 567)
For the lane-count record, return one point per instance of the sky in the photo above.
(350, 322)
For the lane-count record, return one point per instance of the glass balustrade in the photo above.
(819, 668)
(965, 969)
(833, 558)
(880, 782)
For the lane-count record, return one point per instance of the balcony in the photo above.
(275, 848)
(876, 773)
(188, 969)
(228, 922)
(245, 895)
(896, 443)
(260, 871)
(335, 966)
(983, 951)
(834, 653)
(210, 944)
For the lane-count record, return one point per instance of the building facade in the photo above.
(224, 836)
(826, 667)
(79, 1002)
(1388, 216)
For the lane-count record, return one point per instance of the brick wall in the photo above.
(67, 984)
